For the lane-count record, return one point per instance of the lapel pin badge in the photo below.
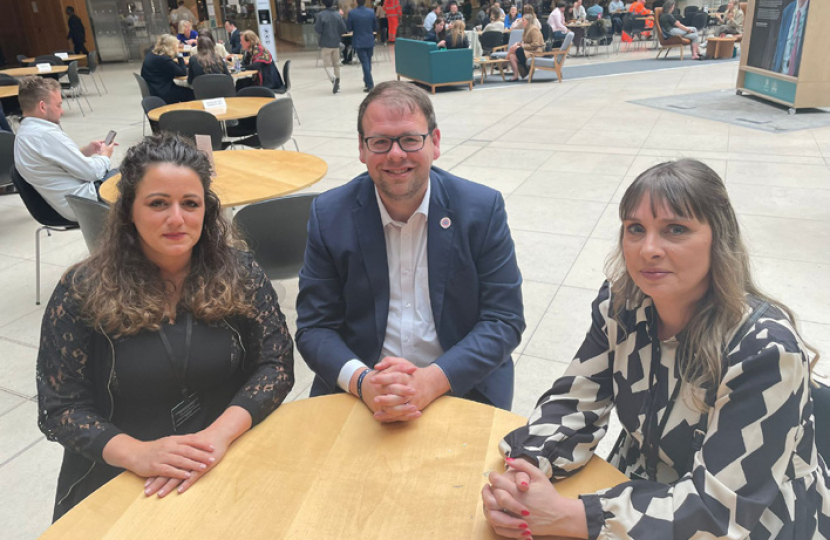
(445, 223)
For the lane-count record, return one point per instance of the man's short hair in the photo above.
(402, 96)
(560, 5)
(34, 89)
(328, 3)
(70, 10)
(230, 22)
(181, 3)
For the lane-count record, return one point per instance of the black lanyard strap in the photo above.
(179, 368)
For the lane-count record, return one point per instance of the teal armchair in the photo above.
(423, 62)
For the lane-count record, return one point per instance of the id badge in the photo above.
(185, 410)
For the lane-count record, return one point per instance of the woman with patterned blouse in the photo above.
(164, 346)
(710, 380)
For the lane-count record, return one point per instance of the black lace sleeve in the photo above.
(70, 410)
(269, 352)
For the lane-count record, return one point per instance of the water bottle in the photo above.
(236, 64)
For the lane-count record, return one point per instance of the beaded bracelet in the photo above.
(360, 383)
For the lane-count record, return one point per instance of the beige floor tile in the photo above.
(534, 377)
(28, 485)
(588, 163)
(743, 140)
(588, 271)
(780, 202)
(546, 257)
(505, 180)
(800, 285)
(608, 227)
(536, 297)
(17, 370)
(818, 336)
(458, 155)
(18, 429)
(9, 401)
(19, 300)
(777, 174)
(554, 216)
(26, 329)
(517, 158)
(570, 185)
(784, 238)
(564, 326)
(688, 142)
(587, 136)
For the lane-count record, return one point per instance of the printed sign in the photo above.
(778, 35)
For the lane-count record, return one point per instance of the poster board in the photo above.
(784, 52)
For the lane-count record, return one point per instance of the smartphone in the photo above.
(110, 138)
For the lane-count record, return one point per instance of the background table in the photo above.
(237, 108)
(322, 468)
(69, 58)
(22, 72)
(249, 176)
(247, 74)
(9, 90)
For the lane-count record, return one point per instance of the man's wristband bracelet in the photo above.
(360, 383)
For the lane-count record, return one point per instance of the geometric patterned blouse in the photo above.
(756, 475)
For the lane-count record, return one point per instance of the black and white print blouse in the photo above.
(757, 474)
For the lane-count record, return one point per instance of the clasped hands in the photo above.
(396, 390)
(522, 502)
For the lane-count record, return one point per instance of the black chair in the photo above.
(280, 255)
(148, 104)
(213, 85)
(286, 89)
(597, 35)
(74, 85)
(246, 127)
(20, 60)
(191, 123)
(92, 67)
(44, 214)
(699, 21)
(274, 126)
(688, 13)
(91, 216)
(489, 41)
(6, 161)
(48, 59)
(256, 91)
(142, 85)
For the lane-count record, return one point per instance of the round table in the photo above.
(249, 176)
(237, 108)
(23, 72)
(323, 468)
(69, 58)
(246, 74)
(10, 90)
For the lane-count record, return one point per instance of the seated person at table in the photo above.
(257, 57)
(457, 39)
(496, 24)
(511, 17)
(710, 380)
(161, 66)
(497, 5)
(638, 7)
(187, 35)
(672, 27)
(438, 34)
(532, 42)
(429, 20)
(732, 20)
(218, 48)
(205, 60)
(556, 20)
(203, 352)
(595, 11)
(410, 288)
(483, 15)
(47, 158)
(617, 10)
(453, 14)
(578, 12)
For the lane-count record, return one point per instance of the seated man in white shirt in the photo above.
(556, 20)
(47, 158)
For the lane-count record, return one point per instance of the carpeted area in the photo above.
(745, 111)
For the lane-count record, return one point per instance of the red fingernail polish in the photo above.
(526, 533)
(524, 483)
(525, 513)
(508, 459)
(523, 526)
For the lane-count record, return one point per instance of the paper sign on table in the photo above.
(215, 106)
(43, 68)
(62, 55)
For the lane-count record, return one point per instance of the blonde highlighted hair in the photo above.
(166, 45)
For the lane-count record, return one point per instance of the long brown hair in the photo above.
(207, 57)
(457, 33)
(121, 292)
(692, 190)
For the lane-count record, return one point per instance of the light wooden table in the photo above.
(69, 58)
(323, 468)
(237, 108)
(23, 72)
(249, 176)
(247, 74)
(720, 47)
(10, 90)
(493, 63)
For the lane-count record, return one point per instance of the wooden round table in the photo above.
(246, 74)
(323, 468)
(249, 176)
(23, 72)
(69, 58)
(10, 90)
(237, 108)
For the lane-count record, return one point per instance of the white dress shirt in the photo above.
(48, 159)
(410, 328)
(556, 20)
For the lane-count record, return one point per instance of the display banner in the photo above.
(266, 27)
(778, 35)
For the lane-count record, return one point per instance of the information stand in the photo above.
(784, 53)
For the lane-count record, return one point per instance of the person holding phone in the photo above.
(47, 158)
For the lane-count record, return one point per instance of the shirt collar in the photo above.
(423, 208)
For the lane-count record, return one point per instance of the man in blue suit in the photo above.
(363, 23)
(410, 288)
(234, 42)
(791, 38)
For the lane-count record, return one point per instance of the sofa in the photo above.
(423, 62)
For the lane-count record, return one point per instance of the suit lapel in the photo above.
(369, 229)
(440, 236)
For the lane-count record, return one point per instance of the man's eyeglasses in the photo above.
(407, 143)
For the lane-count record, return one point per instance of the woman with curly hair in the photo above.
(167, 343)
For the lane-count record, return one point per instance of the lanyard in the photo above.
(179, 368)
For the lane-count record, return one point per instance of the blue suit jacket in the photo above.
(235, 42)
(783, 32)
(362, 22)
(474, 282)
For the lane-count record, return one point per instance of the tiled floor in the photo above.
(562, 155)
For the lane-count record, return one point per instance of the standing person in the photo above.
(709, 378)
(410, 288)
(77, 32)
(164, 346)
(161, 66)
(429, 20)
(182, 13)
(330, 26)
(233, 37)
(363, 23)
(453, 14)
(383, 21)
(672, 27)
(393, 15)
(47, 158)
